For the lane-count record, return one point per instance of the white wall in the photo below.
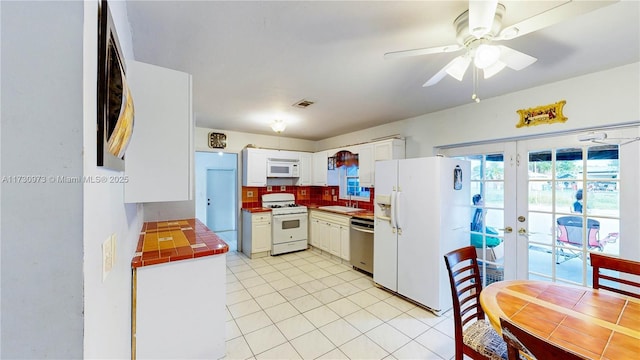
(594, 100)
(41, 225)
(107, 305)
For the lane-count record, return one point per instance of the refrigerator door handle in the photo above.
(397, 210)
(392, 214)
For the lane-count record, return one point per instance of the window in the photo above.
(350, 185)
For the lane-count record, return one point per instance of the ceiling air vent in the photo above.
(303, 103)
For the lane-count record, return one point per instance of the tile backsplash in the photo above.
(305, 195)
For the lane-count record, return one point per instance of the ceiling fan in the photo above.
(476, 31)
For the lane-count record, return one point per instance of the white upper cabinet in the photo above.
(321, 175)
(369, 153)
(306, 169)
(159, 158)
(254, 167)
(366, 164)
(388, 150)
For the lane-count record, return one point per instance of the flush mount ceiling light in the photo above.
(278, 125)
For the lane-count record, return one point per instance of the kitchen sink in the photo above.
(340, 209)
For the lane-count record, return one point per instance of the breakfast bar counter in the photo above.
(178, 292)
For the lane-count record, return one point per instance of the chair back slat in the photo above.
(520, 340)
(600, 262)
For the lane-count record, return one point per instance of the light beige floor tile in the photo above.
(346, 289)
(301, 278)
(295, 326)
(265, 269)
(240, 268)
(413, 350)
(237, 349)
(253, 322)
(388, 337)
(299, 262)
(305, 303)
(293, 292)
(379, 293)
(363, 283)
(280, 352)
(327, 295)
(259, 290)
(363, 320)
(231, 278)
(282, 266)
(246, 274)
(291, 272)
(228, 316)
(408, 325)
(349, 275)
(282, 283)
(437, 342)
(282, 311)
(269, 300)
(363, 299)
(308, 268)
(400, 303)
(254, 281)
(446, 327)
(238, 296)
(340, 331)
(273, 276)
(332, 280)
(273, 260)
(257, 263)
(319, 273)
(265, 339)
(321, 316)
(313, 286)
(232, 330)
(363, 348)
(234, 286)
(334, 354)
(343, 307)
(425, 316)
(336, 269)
(383, 310)
(243, 308)
(312, 345)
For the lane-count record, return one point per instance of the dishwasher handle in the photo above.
(364, 230)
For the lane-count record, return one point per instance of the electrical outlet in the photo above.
(335, 197)
(303, 192)
(269, 188)
(249, 194)
(326, 192)
(283, 188)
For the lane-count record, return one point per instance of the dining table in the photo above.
(597, 324)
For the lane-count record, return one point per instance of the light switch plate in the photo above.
(333, 191)
(269, 188)
(250, 194)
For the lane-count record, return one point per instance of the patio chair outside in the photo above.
(570, 236)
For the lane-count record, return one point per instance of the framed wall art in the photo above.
(546, 114)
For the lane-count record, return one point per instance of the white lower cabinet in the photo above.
(256, 234)
(330, 233)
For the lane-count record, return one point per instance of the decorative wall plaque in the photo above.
(547, 114)
(217, 140)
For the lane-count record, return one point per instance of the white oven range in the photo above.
(289, 223)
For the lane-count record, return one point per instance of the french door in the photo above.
(550, 202)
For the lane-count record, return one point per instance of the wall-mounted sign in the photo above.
(217, 140)
(547, 114)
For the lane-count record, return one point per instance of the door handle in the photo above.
(507, 230)
(522, 231)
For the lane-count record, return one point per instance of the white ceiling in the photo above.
(251, 60)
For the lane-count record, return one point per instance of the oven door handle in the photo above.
(362, 230)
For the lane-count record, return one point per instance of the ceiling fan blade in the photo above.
(550, 17)
(515, 59)
(489, 71)
(423, 51)
(481, 15)
(456, 68)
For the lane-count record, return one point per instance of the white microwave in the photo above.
(283, 168)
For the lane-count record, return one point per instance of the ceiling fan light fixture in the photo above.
(458, 67)
(486, 55)
(489, 71)
(278, 126)
(481, 15)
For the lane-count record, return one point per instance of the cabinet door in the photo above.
(334, 239)
(261, 236)
(159, 158)
(306, 169)
(323, 235)
(345, 251)
(366, 165)
(313, 233)
(254, 167)
(320, 168)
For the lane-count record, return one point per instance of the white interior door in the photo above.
(221, 198)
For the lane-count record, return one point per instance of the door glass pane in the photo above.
(567, 220)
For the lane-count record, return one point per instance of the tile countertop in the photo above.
(364, 214)
(256, 209)
(174, 240)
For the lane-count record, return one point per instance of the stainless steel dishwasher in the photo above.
(361, 244)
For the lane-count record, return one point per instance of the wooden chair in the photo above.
(474, 336)
(520, 340)
(599, 261)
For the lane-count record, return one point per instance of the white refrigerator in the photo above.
(422, 211)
